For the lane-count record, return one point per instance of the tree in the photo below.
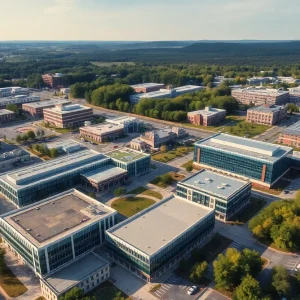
(12, 107)
(119, 191)
(280, 281)
(19, 139)
(189, 168)
(292, 108)
(198, 272)
(163, 148)
(249, 289)
(76, 294)
(30, 135)
(92, 195)
(53, 152)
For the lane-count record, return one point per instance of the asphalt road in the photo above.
(215, 296)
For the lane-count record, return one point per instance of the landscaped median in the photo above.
(11, 285)
(145, 192)
(166, 156)
(167, 179)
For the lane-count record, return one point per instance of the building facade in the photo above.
(207, 117)
(263, 163)
(147, 87)
(13, 91)
(295, 95)
(36, 109)
(224, 194)
(157, 238)
(67, 116)
(7, 116)
(53, 80)
(18, 100)
(291, 136)
(102, 133)
(13, 157)
(130, 124)
(267, 114)
(260, 96)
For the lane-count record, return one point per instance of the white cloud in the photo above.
(61, 6)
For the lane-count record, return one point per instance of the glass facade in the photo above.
(245, 166)
(150, 265)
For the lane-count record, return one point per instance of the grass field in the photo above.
(145, 191)
(112, 63)
(249, 211)
(169, 155)
(107, 291)
(9, 282)
(131, 205)
(188, 163)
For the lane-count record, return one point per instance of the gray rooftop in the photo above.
(146, 85)
(160, 224)
(207, 111)
(68, 145)
(104, 173)
(47, 103)
(100, 129)
(67, 109)
(126, 155)
(13, 154)
(293, 129)
(72, 274)
(245, 147)
(215, 184)
(57, 216)
(267, 108)
(6, 112)
(50, 169)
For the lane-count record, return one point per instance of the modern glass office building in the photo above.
(57, 230)
(261, 162)
(154, 240)
(224, 194)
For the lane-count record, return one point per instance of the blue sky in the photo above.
(149, 20)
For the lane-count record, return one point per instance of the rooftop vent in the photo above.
(66, 228)
(53, 203)
(225, 184)
(28, 229)
(37, 208)
(16, 220)
(220, 187)
(208, 179)
(37, 235)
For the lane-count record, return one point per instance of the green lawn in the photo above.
(145, 191)
(107, 291)
(9, 282)
(188, 163)
(131, 205)
(169, 155)
(249, 211)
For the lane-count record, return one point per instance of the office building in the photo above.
(102, 132)
(12, 157)
(147, 87)
(53, 80)
(156, 138)
(165, 93)
(138, 144)
(35, 109)
(65, 146)
(288, 80)
(207, 117)
(266, 114)
(66, 116)
(6, 116)
(130, 124)
(260, 96)
(13, 91)
(259, 80)
(156, 239)
(263, 163)
(291, 136)
(295, 95)
(33, 183)
(18, 100)
(134, 162)
(226, 195)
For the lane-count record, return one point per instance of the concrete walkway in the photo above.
(24, 274)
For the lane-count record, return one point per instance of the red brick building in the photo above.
(6, 116)
(147, 87)
(66, 116)
(291, 136)
(53, 80)
(207, 117)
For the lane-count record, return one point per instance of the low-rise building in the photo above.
(291, 136)
(157, 238)
(165, 93)
(260, 96)
(295, 95)
(156, 138)
(130, 124)
(102, 132)
(259, 80)
(138, 144)
(226, 195)
(35, 109)
(6, 116)
(18, 100)
(53, 80)
(13, 91)
(66, 116)
(207, 117)
(288, 80)
(267, 114)
(147, 87)
(65, 146)
(12, 157)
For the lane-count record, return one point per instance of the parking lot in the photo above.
(175, 288)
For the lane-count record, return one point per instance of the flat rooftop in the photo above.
(267, 92)
(74, 273)
(146, 85)
(102, 128)
(207, 111)
(122, 120)
(267, 108)
(68, 145)
(126, 155)
(160, 93)
(66, 109)
(56, 217)
(46, 170)
(245, 147)
(19, 99)
(293, 129)
(160, 224)
(47, 103)
(187, 88)
(4, 112)
(215, 184)
(104, 173)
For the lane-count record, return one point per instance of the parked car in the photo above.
(192, 290)
(297, 268)
(285, 192)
